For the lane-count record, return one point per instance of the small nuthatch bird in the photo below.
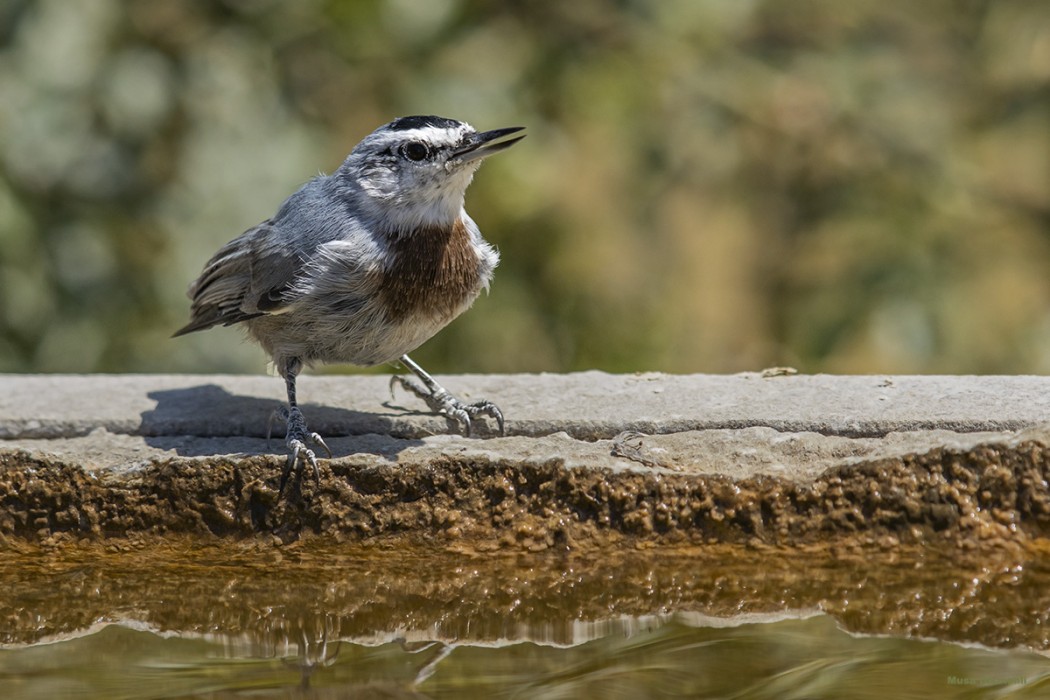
(362, 266)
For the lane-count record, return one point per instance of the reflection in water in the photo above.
(313, 654)
(666, 657)
(293, 622)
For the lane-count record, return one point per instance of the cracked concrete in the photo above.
(589, 460)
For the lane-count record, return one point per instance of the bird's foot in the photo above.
(458, 413)
(296, 438)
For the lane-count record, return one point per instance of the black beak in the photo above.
(486, 143)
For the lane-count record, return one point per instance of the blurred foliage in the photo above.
(706, 186)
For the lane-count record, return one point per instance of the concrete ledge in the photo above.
(590, 460)
(586, 405)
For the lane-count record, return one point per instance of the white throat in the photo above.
(437, 204)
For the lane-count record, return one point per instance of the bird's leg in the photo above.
(296, 432)
(456, 412)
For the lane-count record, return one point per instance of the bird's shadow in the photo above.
(208, 420)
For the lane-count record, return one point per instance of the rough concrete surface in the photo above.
(589, 459)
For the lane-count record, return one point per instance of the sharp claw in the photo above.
(318, 440)
(299, 449)
(454, 413)
(296, 438)
(463, 414)
(493, 411)
(445, 404)
(464, 418)
(409, 386)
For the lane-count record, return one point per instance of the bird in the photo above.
(362, 266)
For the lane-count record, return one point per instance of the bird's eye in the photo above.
(414, 150)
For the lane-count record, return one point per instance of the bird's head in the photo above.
(414, 171)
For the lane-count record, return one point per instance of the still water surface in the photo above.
(396, 623)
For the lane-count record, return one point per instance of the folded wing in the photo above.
(249, 276)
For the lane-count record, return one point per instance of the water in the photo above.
(165, 621)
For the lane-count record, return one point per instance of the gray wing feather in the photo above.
(248, 277)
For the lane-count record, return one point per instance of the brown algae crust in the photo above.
(990, 495)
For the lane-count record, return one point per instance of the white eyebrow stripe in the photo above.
(430, 134)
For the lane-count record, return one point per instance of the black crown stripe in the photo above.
(417, 122)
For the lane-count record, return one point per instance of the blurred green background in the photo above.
(716, 186)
